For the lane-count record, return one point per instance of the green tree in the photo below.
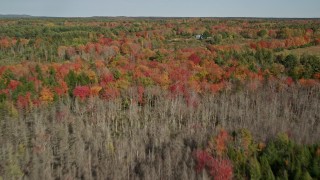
(254, 169)
(290, 61)
(206, 34)
(266, 171)
(262, 33)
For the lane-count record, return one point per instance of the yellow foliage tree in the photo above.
(94, 91)
(46, 95)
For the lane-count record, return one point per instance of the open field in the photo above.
(314, 50)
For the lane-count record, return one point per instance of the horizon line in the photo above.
(117, 16)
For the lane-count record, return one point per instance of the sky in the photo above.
(164, 8)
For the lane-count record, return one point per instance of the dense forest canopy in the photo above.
(169, 98)
(119, 53)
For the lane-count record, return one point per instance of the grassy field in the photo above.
(314, 50)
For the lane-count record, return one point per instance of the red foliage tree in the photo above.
(218, 168)
(216, 87)
(4, 91)
(110, 93)
(62, 89)
(13, 84)
(178, 88)
(24, 101)
(194, 58)
(289, 81)
(179, 75)
(140, 94)
(81, 92)
(105, 41)
(106, 79)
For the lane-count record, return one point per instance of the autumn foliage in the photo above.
(218, 168)
(82, 90)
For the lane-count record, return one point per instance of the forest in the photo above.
(159, 98)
